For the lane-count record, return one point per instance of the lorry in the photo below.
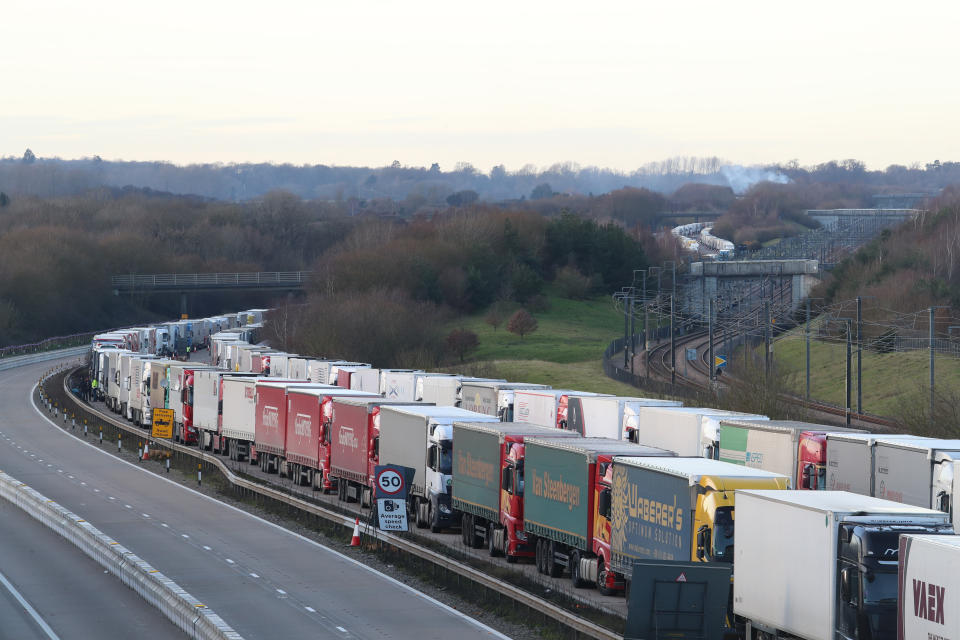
(354, 446)
(678, 509)
(297, 368)
(208, 406)
(239, 416)
(566, 522)
(794, 449)
(364, 379)
(928, 566)
(445, 390)
(690, 431)
(270, 421)
(488, 483)
(111, 389)
(139, 386)
(406, 385)
(609, 416)
(493, 398)
(545, 407)
(821, 565)
(421, 438)
(309, 412)
(182, 377)
(921, 472)
(851, 460)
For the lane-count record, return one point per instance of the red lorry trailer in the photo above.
(354, 446)
(567, 521)
(270, 426)
(307, 457)
(488, 461)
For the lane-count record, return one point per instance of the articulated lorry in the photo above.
(238, 426)
(923, 473)
(689, 431)
(182, 376)
(679, 509)
(488, 483)
(444, 391)
(493, 398)
(208, 406)
(851, 460)
(545, 407)
(822, 565)
(309, 413)
(355, 447)
(270, 420)
(795, 449)
(421, 437)
(929, 598)
(566, 506)
(609, 416)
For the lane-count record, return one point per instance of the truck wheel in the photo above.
(421, 518)
(466, 529)
(434, 519)
(491, 542)
(538, 556)
(602, 574)
(555, 569)
(506, 548)
(341, 491)
(575, 570)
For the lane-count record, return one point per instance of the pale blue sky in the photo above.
(612, 84)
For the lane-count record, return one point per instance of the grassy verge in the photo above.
(564, 352)
(890, 380)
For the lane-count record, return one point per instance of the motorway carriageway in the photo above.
(263, 580)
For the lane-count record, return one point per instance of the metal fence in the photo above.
(199, 280)
(49, 344)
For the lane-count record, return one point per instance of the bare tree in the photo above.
(521, 323)
(462, 341)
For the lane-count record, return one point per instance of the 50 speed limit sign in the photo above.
(390, 482)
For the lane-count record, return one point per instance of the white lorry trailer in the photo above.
(609, 416)
(688, 431)
(929, 600)
(821, 565)
(545, 407)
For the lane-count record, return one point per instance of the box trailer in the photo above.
(493, 398)
(270, 421)
(851, 460)
(792, 448)
(821, 565)
(690, 431)
(208, 406)
(609, 416)
(545, 407)
(421, 438)
(365, 379)
(239, 417)
(918, 472)
(445, 390)
(928, 600)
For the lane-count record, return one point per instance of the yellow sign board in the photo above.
(162, 423)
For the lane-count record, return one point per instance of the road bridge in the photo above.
(730, 279)
(184, 283)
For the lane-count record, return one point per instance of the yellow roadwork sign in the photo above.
(162, 423)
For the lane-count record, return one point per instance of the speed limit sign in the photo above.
(390, 483)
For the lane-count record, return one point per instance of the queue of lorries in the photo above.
(832, 525)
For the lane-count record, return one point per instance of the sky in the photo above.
(607, 84)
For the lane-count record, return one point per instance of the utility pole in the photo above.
(633, 335)
(766, 338)
(849, 381)
(673, 348)
(859, 355)
(933, 311)
(710, 343)
(626, 347)
(807, 332)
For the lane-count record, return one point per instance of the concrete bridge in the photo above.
(736, 282)
(832, 218)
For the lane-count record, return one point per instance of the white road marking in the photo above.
(164, 525)
(341, 629)
(29, 609)
(253, 575)
(128, 506)
(183, 535)
(145, 515)
(206, 548)
(229, 561)
(310, 609)
(281, 592)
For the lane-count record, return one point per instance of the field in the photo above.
(891, 381)
(564, 352)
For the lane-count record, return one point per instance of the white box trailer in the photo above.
(851, 460)
(445, 390)
(918, 472)
(688, 431)
(609, 416)
(239, 419)
(403, 385)
(421, 437)
(816, 564)
(545, 407)
(928, 601)
(279, 364)
(139, 383)
(207, 407)
(297, 368)
(114, 379)
(177, 376)
(493, 398)
(366, 379)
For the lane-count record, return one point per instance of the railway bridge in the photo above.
(735, 281)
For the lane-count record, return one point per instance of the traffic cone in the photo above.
(146, 451)
(355, 540)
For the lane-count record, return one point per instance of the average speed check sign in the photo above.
(390, 482)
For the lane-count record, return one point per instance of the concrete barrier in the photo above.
(185, 611)
(20, 361)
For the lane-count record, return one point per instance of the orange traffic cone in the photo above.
(355, 540)
(146, 451)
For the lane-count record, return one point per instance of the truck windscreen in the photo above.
(723, 535)
(880, 587)
(446, 458)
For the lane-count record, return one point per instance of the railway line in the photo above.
(473, 565)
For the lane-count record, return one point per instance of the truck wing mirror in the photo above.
(603, 503)
(702, 534)
(506, 477)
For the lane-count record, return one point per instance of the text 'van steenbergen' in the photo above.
(474, 468)
(557, 490)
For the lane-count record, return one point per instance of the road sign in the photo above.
(691, 354)
(390, 482)
(392, 514)
(162, 423)
(719, 361)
